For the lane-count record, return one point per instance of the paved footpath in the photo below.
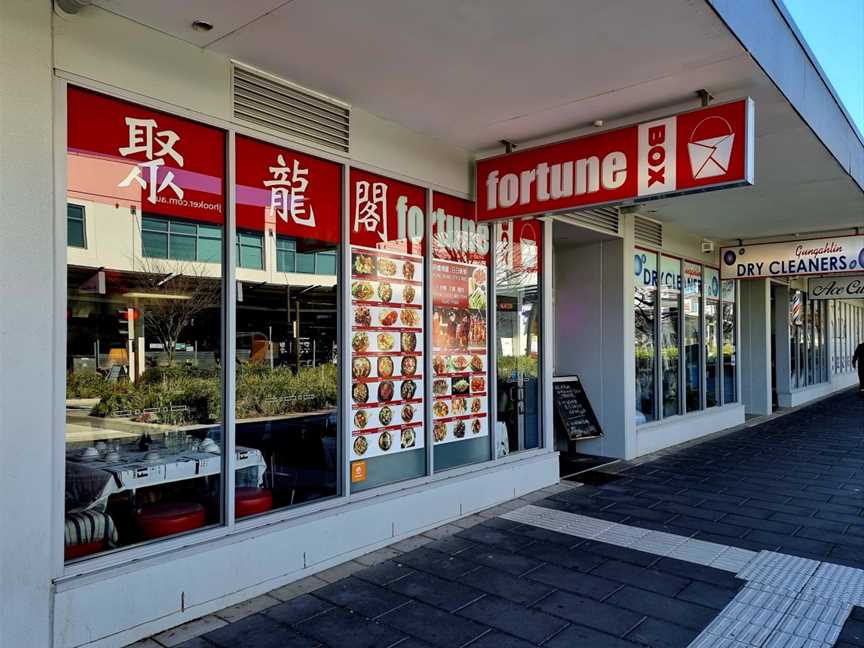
(751, 539)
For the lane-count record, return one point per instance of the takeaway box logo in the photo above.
(710, 148)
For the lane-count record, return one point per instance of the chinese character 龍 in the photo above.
(288, 192)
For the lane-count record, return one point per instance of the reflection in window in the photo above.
(670, 312)
(692, 335)
(163, 238)
(250, 250)
(289, 259)
(712, 337)
(517, 343)
(645, 313)
(730, 387)
(75, 230)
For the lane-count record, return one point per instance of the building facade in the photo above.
(252, 330)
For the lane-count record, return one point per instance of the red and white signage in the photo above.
(703, 149)
(300, 195)
(124, 154)
(386, 213)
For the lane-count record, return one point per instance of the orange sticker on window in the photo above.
(358, 471)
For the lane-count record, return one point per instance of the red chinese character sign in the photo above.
(122, 153)
(296, 194)
(460, 313)
(386, 224)
(707, 148)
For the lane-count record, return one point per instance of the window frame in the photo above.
(230, 527)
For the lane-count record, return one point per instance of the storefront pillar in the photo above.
(755, 356)
(28, 326)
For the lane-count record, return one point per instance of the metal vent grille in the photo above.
(603, 219)
(281, 106)
(648, 232)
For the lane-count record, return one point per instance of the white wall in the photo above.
(104, 47)
(27, 318)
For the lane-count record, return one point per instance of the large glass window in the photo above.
(730, 384)
(693, 336)
(670, 334)
(460, 322)
(287, 376)
(712, 337)
(645, 313)
(796, 320)
(143, 429)
(517, 329)
(75, 228)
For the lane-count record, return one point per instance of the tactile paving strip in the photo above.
(788, 602)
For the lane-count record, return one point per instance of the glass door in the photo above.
(517, 335)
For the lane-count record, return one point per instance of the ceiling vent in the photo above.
(301, 114)
(648, 232)
(603, 219)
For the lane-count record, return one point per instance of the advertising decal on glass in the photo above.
(460, 314)
(386, 225)
(645, 269)
(291, 193)
(706, 148)
(131, 156)
(832, 255)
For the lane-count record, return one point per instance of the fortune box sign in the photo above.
(708, 148)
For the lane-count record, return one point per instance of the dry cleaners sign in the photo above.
(836, 288)
(830, 255)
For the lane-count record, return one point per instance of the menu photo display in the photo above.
(387, 352)
(460, 363)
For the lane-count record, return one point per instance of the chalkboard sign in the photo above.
(573, 413)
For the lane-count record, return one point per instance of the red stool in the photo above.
(168, 518)
(249, 500)
(80, 550)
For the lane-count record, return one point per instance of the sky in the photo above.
(834, 31)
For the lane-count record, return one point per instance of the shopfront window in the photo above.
(645, 313)
(730, 385)
(143, 428)
(796, 306)
(670, 331)
(460, 317)
(287, 378)
(387, 312)
(289, 259)
(712, 337)
(693, 336)
(518, 255)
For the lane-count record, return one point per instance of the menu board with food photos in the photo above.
(386, 319)
(460, 259)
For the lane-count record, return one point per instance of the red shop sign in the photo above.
(386, 213)
(300, 195)
(122, 153)
(708, 148)
(456, 234)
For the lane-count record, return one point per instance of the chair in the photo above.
(168, 518)
(249, 500)
(88, 532)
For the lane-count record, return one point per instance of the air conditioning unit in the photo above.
(707, 246)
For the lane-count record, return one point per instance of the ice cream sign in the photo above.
(707, 148)
(831, 255)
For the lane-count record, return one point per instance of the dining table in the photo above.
(90, 481)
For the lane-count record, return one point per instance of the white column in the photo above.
(755, 353)
(29, 358)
